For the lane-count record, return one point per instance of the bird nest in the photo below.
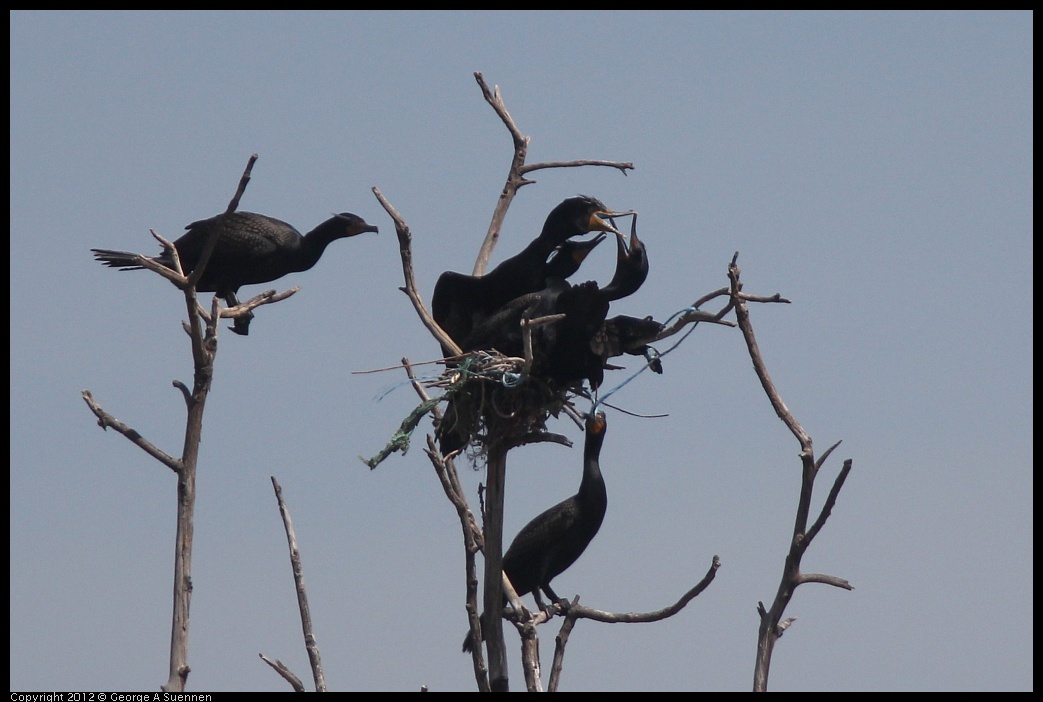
(491, 399)
(494, 400)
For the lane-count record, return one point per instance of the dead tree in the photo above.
(201, 327)
(497, 440)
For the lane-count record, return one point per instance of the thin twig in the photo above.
(310, 643)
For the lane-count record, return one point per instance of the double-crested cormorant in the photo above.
(251, 248)
(553, 540)
(461, 301)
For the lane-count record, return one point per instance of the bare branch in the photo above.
(211, 244)
(771, 624)
(763, 298)
(516, 174)
(302, 593)
(106, 420)
(542, 437)
(831, 500)
(621, 166)
(204, 347)
(175, 275)
(445, 470)
(527, 325)
(743, 318)
(824, 456)
(694, 316)
(185, 392)
(285, 672)
(233, 204)
(576, 612)
(560, 642)
(825, 580)
(581, 612)
(495, 477)
(268, 297)
(514, 178)
(785, 624)
(406, 252)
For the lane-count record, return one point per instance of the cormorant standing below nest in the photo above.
(251, 248)
(459, 301)
(553, 540)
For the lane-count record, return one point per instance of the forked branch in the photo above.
(516, 174)
(772, 625)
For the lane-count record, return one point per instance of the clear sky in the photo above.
(874, 168)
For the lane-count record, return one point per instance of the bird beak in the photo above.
(597, 224)
(369, 228)
(580, 253)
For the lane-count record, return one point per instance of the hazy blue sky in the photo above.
(874, 168)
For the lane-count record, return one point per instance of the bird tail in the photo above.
(124, 260)
(468, 644)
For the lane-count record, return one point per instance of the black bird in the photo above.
(460, 301)
(251, 248)
(565, 261)
(568, 347)
(631, 335)
(553, 540)
(631, 268)
(566, 351)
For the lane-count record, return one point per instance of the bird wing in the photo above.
(243, 235)
(543, 532)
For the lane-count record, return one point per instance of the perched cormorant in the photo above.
(251, 248)
(553, 540)
(460, 301)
